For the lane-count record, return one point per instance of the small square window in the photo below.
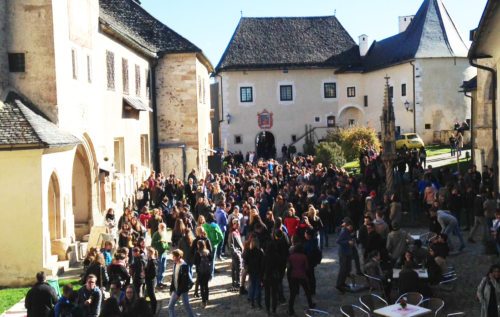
(286, 93)
(403, 90)
(17, 63)
(427, 126)
(351, 91)
(294, 137)
(317, 119)
(246, 94)
(330, 90)
(237, 139)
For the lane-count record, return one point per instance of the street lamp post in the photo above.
(388, 122)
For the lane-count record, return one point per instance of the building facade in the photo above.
(298, 72)
(485, 55)
(78, 84)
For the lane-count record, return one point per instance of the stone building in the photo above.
(485, 55)
(79, 80)
(279, 75)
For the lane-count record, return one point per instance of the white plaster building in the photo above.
(485, 55)
(78, 84)
(308, 70)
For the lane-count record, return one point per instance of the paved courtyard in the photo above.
(471, 265)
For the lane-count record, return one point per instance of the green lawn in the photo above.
(11, 296)
(437, 149)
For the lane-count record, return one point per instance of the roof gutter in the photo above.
(494, 115)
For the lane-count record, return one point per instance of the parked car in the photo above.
(409, 141)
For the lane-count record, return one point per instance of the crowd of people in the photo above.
(273, 221)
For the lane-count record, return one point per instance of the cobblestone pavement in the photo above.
(471, 264)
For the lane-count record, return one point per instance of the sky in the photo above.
(211, 24)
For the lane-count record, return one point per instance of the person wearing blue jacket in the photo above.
(345, 242)
(221, 218)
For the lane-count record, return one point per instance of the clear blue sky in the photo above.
(210, 24)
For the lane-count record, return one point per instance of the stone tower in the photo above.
(388, 131)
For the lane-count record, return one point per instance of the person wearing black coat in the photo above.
(150, 272)
(138, 271)
(41, 298)
(408, 280)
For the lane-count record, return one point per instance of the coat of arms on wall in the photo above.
(265, 119)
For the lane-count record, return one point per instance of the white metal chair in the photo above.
(353, 311)
(372, 302)
(434, 304)
(316, 313)
(413, 298)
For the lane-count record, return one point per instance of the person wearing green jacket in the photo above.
(214, 235)
(159, 242)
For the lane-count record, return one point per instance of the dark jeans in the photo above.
(271, 289)
(344, 270)
(222, 245)
(312, 280)
(236, 266)
(138, 287)
(150, 291)
(355, 257)
(294, 291)
(203, 281)
(254, 292)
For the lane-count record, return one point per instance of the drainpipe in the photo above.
(494, 119)
(156, 149)
(414, 99)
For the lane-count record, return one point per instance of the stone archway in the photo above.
(350, 115)
(54, 201)
(265, 145)
(82, 193)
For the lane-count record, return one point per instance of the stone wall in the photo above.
(3, 48)
(30, 31)
(183, 111)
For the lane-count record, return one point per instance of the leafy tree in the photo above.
(330, 153)
(353, 140)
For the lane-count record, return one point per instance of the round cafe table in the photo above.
(397, 311)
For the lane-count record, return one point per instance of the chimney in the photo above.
(363, 44)
(404, 21)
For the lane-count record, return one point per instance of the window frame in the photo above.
(125, 77)
(327, 96)
(282, 95)
(110, 70)
(403, 90)
(74, 64)
(351, 91)
(236, 137)
(17, 62)
(242, 88)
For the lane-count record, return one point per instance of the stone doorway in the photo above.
(82, 193)
(265, 145)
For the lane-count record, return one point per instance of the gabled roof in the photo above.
(431, 33)
(23, 126)
(131, 20)
(485, 29)
(287, 41)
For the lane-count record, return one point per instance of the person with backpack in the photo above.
(41, 298)
(182, 282)
(202, 260)
(214, 234)
(151, 269)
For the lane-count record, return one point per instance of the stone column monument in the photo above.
(388, 132)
